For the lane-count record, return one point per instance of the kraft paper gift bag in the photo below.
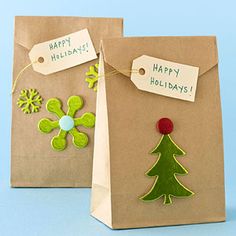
(158, 160)
(62, 157)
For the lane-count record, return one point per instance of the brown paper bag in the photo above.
(125, 133)
(34, 162)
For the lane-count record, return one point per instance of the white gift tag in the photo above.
(165, 77)
(62, 53)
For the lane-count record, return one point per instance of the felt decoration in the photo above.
(165, 126)
(29, 101)
(166, 168)
(67, 123)
(92, 77)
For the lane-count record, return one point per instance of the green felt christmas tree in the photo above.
(166, 168)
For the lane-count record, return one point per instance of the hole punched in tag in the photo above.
(141, 71)
(41, 60)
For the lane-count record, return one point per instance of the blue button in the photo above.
(66, 123)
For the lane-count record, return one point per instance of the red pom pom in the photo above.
(165, 126)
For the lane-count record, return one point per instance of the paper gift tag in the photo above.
(165, 77)
(62, 53)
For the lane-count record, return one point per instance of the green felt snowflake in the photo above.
(92, 77)
(67, 123)
(29, 101)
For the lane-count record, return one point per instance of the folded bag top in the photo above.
(190, 50)
(30, 30)
(34, 162)
(126, 119)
